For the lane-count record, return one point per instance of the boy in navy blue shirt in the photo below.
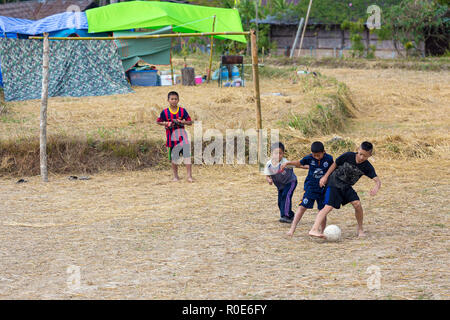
(343, 174)
(317, 164)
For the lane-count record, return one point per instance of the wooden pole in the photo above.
(257, 93)
(296, 36)
(151, 36)
(171, 63)
(304, 28)
(43, 115)
(256, 19)
(211, 51)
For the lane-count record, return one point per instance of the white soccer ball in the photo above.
(332, 233)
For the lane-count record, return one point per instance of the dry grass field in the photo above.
(137, 235)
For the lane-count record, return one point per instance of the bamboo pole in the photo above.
(257, 93)
(211, 51)
(256, 20)
(43, 114)
(171, 63)
(296, 37)
(150, 36)
(304, 28)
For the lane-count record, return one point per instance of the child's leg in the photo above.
(175, 172)
(288, 192)
(298, 215)
(320, 206)
(174, 165)
(189, 172)
(187, 161)
(280, 202)
(321, 216)
(359, 217)
(323, 225)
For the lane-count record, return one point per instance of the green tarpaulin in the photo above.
(155, 15)
(153, 51)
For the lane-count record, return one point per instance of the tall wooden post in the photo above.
(304, 28)
(43, 115)
(257, 93)
(211, 51)
(294, 45)
(256, 19)
(171, 63)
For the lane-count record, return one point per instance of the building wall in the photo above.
(320, 42)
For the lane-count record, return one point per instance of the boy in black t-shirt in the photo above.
(341, 176)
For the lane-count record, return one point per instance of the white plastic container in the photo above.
(166, 79)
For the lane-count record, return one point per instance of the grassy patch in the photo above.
(420, 64)
(77, 155)
(338, 145)
(328, 118)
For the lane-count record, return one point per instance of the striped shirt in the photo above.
(175, 136)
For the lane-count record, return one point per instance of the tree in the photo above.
(413, 22)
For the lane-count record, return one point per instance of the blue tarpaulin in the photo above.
(10, 25)
(57, 22)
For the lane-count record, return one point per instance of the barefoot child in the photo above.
(174, 118)
(284, 180)
(341, 176)
(317, 163)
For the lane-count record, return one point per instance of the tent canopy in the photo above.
(152, 14)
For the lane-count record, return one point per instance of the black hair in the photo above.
(172, 93)
(277, 145)
(367, 146)
(317, 146)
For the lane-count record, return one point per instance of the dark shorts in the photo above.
(183, 151)
(336, 197)
(309, 198)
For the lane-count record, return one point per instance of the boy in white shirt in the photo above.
(285, 181)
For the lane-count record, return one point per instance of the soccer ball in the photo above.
(332, 233)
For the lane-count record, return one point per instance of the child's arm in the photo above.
(269, 180)
(185, 122)
(296, 164)
(162, 123)
(377, 186)
(323, 181)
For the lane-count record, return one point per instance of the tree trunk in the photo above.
(188, 76)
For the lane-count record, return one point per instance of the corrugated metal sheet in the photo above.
(35, 10)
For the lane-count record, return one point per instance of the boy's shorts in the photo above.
(336, 197)
(184, 151)
(309, 198)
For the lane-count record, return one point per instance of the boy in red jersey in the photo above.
(174, 118)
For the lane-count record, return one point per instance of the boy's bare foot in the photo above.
(316, 234)
(361, 234)
(175, 179)
(190, 179)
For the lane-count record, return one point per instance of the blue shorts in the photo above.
(309, 198)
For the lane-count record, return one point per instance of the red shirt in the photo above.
(178, 135)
